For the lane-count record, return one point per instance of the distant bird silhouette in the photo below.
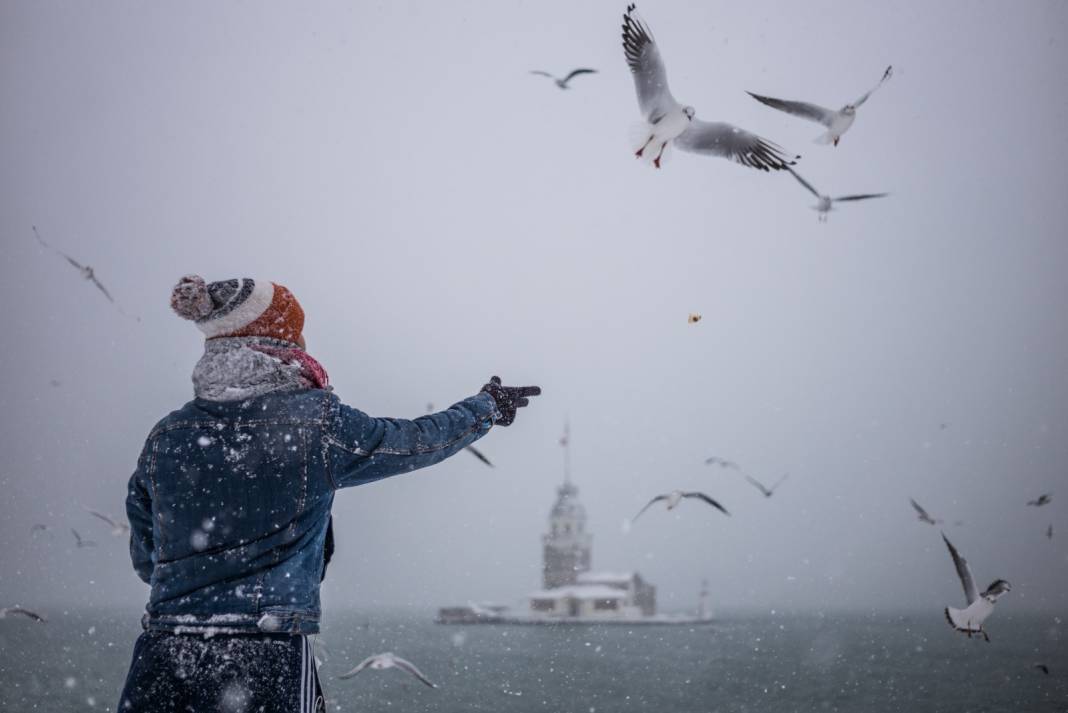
(980, 606)
(826, 203)
(694, 318)
(837, 122)
(388, 660)
(562, 83)
(86, 271)
(118, 528)
(21, 612)
(1042, 667)
(768, 492)
(1049, 532)
(721, 462)
(675, 497)
(38, 528)
(79, 541)
(1041, 500)
(922, 515)
(478, 454)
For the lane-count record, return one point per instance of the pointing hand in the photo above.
(509, 398)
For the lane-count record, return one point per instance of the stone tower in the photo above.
(567, 544)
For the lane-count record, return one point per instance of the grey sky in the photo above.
(442, 216)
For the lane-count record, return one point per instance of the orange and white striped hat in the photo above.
(239, 308)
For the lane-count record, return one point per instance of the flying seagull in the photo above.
(674, 498)
(826, 203)
(23, 612)
(478, 454)
(388, 660)
(562, 83)
(837, 122)
(668, 122)
(721, 462)
(922, 515)
(760, 486)
(1042, 667)
(43, 528)
(80, 542)
(694, 318)
(980, 606)
(1043, 499)
(85, 270)
(1049, 532)
(118, 529)
(470, 449)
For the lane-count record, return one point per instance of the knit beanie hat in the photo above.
(239, 308)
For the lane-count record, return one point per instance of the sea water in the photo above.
(766, 662)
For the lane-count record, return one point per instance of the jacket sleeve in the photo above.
(139, 513)
(364, 449)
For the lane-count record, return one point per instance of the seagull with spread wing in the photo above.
(388, 660)
(86, 272)
(672, 500)
(922, 515)
(118, 529)
(21, 612)
(668, 122)
(721, 462)
(562, 83)
(768, 492)
(826, 203)
(837, 122)
(1043, 499)
(980, 606)
(79, 541)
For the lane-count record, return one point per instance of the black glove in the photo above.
(509, 398)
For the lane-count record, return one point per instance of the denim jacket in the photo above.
(229, 504)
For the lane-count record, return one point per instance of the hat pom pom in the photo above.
(190, 298)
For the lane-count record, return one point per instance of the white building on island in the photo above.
(571, 592)
(569, 588)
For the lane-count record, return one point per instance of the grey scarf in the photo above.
(231, 370)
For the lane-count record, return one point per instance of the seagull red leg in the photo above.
(656, 161)
(639, 152)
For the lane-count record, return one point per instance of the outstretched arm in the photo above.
(365, 449)
(139, 512)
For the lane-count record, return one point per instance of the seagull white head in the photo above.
(996, 589)
(690, 112)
